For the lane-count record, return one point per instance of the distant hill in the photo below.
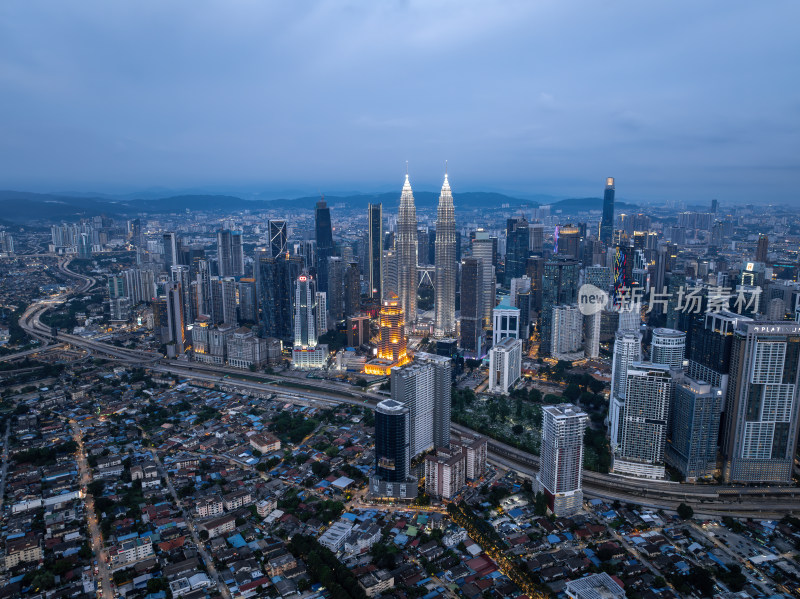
(20, 206)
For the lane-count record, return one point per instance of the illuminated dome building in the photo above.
(392, 351)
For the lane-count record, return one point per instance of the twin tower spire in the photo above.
(445, 259)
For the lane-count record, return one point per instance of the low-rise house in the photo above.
(375, 583)
(265, 442)
(130, 551)
(207, 507)
(280, 564)
(219, 526)
(335, 536)
(266, 506)
(237, 499)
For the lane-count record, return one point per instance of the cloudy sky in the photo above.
(677, 100)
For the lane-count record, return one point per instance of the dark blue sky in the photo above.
(677, 100)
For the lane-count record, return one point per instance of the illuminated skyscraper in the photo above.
(304, 303)
(406, 246)
(623, 271)
(375, 250)
(569, 242)
(306, 353)
(607, 222)
(391, 338)
(445, 301)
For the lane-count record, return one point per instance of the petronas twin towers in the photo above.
(406, 246)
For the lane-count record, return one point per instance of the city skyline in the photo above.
(677, 101)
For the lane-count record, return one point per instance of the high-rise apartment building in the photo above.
(412, 386)
(668, 347)
(505, 365)
(445, 259)
(406, 248)
(566, 341)
(694, 429)
(591, 335)
(761, 412)
(648, 394)
(710, 346)
(627, 350)
(442, 384)
(424, 388)
(305, 333)
(445, 472)
(561, 473)
(476, 451)
(375, 250)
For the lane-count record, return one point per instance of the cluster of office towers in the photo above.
(718, 400)
(415, 424)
